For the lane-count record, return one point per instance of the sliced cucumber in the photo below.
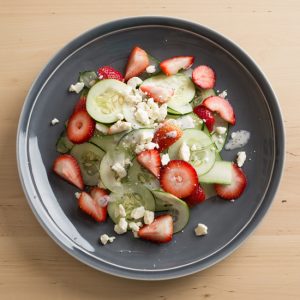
(184, 89)
(133, 196)
(89, 78)
(220, 173)
(88, 157)
(107, 175)
(203, 93)
(220, 139)
(64, 145)
(176, 207)
(106, 142)
(137, 173)
(184, 122)
(203, 157)
(182, 110)
(105, 100)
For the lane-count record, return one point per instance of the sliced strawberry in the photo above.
(159, 231)
(80, 127)
(237, 186)
(158, 93)
(108, 72)
(172, 65)
(178, 178)
(166, 135)
(80, 105)
(87, 204)
(137, 63)
(67, 167)
(206, 115)
(221, 106)
(150, 159)
(204, 77)
(196, 197)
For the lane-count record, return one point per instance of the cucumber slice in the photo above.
(63, 145)
(133, 196)
(184, 122)
(220, 139)
(184, 89)
(106, 142)
(107, 175)
(176, 207)
(105, 100)
(89, 78)
(182, 110)
(137, 173)
(220, 173)
(88, 157)
(203, 93)
(203, 157)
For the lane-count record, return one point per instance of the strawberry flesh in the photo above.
(80, 105)
(150, 159)
(67, 167)
(160, 231)
(108, 72)
(158, 93)
(206, 115)
(197, 196)
(204, 77)
(178, 178)
(173, 65)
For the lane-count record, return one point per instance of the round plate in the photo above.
(52, 199)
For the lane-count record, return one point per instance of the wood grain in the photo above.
(32, 266)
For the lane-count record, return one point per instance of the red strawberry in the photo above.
(87, 204)
(80, 127)
(137, 63)
(204, 77)
(67, 167)
(172, 65)
(197, 196)
(100, 196)
(158, 93)
(178, 178)
(108, 72)
(80, 105)
(166, 135)
(160, 231)
(221, 106)
(237, 186)
(206, 115)
(150, 159)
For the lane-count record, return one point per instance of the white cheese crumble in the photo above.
(138, 213)
(120, 211)
(102, 128)
(165, 159)
(134, 82)
(148, 217)
(151, 69)
(184, 152)
(223, 94)
(119, 169)
(54, 122)
(121, 227)
(77, 195)
(185, 122)
(241, 158)
(221, 130)
(201, 229)
(104, 238)
(142, 116)
(120, 116)
(133, 226)
(77, 87)
(238, 139)
(119, 126)
(171, 134)
(145, 136)
(135, 234)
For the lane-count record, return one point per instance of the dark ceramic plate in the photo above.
(52, 200)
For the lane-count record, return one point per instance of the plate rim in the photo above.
(275, 112)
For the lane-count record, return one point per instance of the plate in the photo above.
(229, 223)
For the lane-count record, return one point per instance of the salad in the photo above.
(144, 149)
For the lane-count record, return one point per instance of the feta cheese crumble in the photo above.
(102, 128)
(165, 159)
(148, 217)
(77, 87)
(221, 130)
(121, 227)
(119, 126)
(133, 226)
(54, 122)
(120, 116)
(77, 195)
(184, 152)
(151, 69)
(185, 122)
(120, 211)
(138, 213)
(134, 82)
(238, 139)
(201, 229)
(119, 169)
(104, 238)
(223, 94)
(241, 158)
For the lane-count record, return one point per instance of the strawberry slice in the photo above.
(159, 231)
(206, 115)
(137, 63)
(222, 107)
(166, 135)
(108, 72)
(178, 178)
(80, 127)
(172, 65)
(196, 197)
(150, 159)
(158, 93)
(237, 186)
(204, 77)
(87, 204)
(80, 105)
(67, 167)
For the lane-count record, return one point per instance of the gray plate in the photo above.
(52, 200)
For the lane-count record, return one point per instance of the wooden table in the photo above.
(32, 266)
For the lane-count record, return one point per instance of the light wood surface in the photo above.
(32, 266)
